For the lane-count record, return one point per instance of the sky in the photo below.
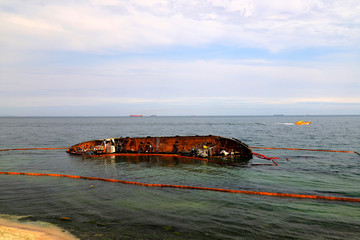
(176, 57)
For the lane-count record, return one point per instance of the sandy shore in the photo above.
(10, 229)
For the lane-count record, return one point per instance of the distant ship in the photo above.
(136, 115)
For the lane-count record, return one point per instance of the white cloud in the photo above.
(246, 8)
(134, 25)
(185, 82)
(96, 101)
(32, 31)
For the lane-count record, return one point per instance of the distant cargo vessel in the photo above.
(136, 115)
(191, 146)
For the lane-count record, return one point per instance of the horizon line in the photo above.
(191, 115)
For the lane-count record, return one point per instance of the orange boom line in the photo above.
(293, 149)
(288, 195)
(302, 149)
(189, 157)
(154, 154)
(21, 149)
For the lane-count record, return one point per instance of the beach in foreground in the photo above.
(13, 230)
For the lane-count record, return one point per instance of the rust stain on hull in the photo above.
(195, 146)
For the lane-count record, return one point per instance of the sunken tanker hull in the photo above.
(192, 146)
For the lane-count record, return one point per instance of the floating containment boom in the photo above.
(192, 146)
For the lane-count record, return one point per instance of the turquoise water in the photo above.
(118, 211)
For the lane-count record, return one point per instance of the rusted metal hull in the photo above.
(192, 146)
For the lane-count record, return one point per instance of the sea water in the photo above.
(104, 210)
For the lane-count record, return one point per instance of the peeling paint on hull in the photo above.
(194, 146)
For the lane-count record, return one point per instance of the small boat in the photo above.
(136, 115)
(301, 122)
(191, 146)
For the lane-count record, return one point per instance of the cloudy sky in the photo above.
(176, 57)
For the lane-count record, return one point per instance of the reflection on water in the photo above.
(165, 161)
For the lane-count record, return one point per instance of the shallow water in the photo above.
(119, 211)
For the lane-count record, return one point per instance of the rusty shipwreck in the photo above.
(190, 146)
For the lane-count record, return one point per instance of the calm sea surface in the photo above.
(118, 211)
